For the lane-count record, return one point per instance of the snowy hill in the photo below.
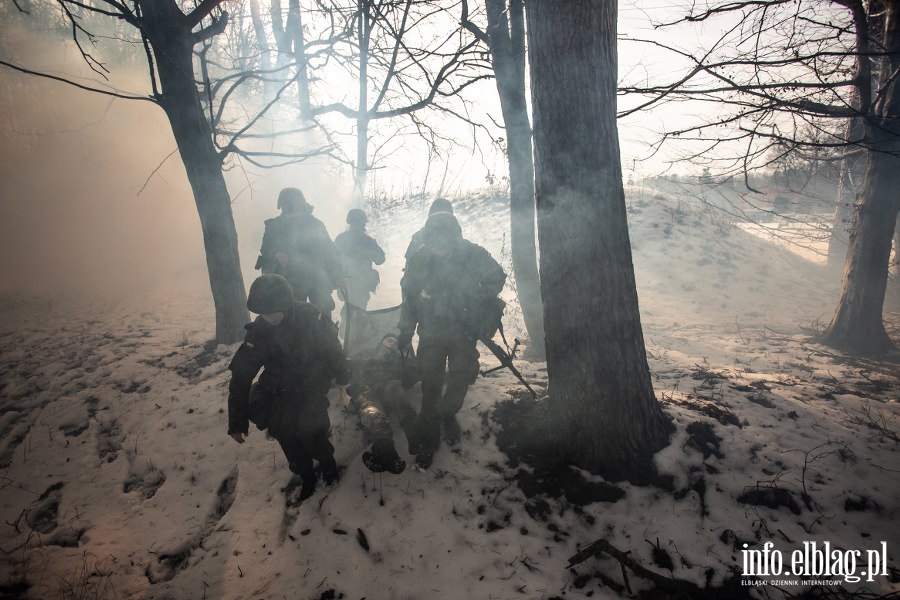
(118, 480)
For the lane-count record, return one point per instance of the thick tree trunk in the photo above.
(601, 397)
(858, 325)
(507, 44)
(171, 39)
(852, 169)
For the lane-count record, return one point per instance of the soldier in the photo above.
(359, 251)
(450, 293)
(297, 348)
(297, 246)
(440, 205)
(379, 388)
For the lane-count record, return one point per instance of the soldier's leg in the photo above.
(432, 357)
(301, 465)
(358, 294)
(323, 300)
(396, 403)
(432, 361)
(373, 416)
(319, 446)
(313, 429)
(463, 371)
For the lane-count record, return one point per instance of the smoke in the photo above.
(94, 195)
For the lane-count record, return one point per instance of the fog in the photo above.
(94, 195)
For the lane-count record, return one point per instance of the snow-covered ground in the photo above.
(119, 481)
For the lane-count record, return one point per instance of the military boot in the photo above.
(429, 430)
(383, 457)
(299, 488)
(452, 430)
(331, 475)
(411, 429)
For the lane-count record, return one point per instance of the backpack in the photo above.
(485, 321)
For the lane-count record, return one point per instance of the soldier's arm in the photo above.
(331, 347)
(492, 278)
(415, 242)
(376, 253)
(410, 289)
(266, 261)
(330, 255)
(244, 367)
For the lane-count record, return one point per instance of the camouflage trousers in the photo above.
(448, 365)
(377, 403)
(302, 427)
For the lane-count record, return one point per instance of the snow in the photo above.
(116, 399)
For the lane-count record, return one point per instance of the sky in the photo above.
(118, 481)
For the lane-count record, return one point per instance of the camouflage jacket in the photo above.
(359, 251)
(307, 245)
(299, 356)
(449, 295)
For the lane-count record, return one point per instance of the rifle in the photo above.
(505, 361)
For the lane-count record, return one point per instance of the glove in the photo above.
(404, 340)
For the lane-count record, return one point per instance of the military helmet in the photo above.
(356, 216)
(270, 293)
(440, 205)
(442, 224)
(292, 200)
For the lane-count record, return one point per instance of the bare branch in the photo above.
(74, 84)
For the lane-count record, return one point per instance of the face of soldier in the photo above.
(273, 319)
(389, 348)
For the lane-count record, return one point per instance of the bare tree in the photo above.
(605, 415)
(505, 37)
(205, 131)
(407, 57)
(780, 67)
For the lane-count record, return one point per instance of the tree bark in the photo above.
(363, 32)
(507, 45)
(298, 44)
(858, 325)
(852, 169)
(262, 44)
(895, 265)
(606, 417)
(170, 36)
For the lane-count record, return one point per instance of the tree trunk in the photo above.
(262, 44)
(295, 33)
(606, 417)
(170, 37)
(858, 326)
(364, 31)
(852, 169)
(507, 45)
(895, 265)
